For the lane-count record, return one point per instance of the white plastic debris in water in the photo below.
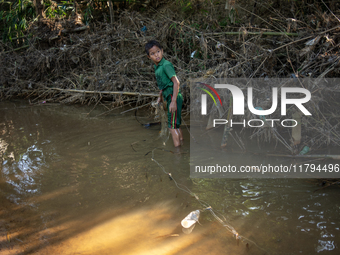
(190, 219)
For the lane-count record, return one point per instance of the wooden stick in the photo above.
(227, 127)
(64, 31)
(110, 5)
(19, 37)
(20, 48)
(337, 157)
(106, 92)
(254, 33)
(53, 38)
(305, 38)
(135, 108)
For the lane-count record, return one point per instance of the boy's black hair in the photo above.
(150, 44)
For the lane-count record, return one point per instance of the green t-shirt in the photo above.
(164, 71)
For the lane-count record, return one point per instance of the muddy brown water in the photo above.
(73, 181)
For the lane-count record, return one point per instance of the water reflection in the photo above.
(22, 162)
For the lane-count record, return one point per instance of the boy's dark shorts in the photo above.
(174, 118)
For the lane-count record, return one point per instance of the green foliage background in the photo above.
(15, 18)
(17, 15)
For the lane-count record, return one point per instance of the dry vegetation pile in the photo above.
(65, 61)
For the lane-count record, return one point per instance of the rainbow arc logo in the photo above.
(204, 97)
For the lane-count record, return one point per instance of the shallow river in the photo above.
(76, 181)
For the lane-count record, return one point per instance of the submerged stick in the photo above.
(135, 108)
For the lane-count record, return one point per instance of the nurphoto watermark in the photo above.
(261, 128)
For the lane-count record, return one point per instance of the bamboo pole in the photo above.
(106, 92)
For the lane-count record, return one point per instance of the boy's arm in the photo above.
(173, 104)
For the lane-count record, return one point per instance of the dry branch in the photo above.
(78, 29)
(336, 157)
(254, 33)
(105, 92)
(20, 48)
(308, 37)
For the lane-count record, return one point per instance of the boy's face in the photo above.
(155, 54)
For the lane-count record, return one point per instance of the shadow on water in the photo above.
(73, 184)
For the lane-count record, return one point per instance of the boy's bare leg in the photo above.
(180, 134)
(175, 136)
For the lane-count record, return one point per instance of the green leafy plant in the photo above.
(186, 5)
(223, 22)
(16, 18)
(61, 10)
(195, 25)
(87, 14)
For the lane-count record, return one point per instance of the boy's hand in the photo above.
(173, 106)
(160, 98)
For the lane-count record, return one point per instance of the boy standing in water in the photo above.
(169, 85)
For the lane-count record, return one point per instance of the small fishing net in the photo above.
(146, 116)
(161, 116)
